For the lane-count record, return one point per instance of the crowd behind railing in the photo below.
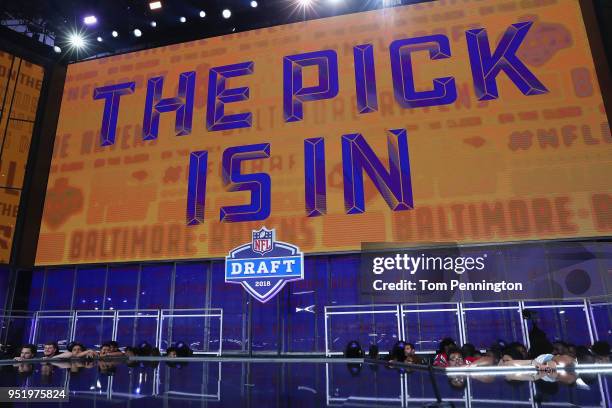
(108, 356)
(542, 355)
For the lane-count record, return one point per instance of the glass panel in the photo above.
(121, 287)
(603, 321)
(306, 300)
(89, 290)
(352, 385)
(367, 325)
(201, 333)
(485, 327)
(427, 329)
(138, 380)
(16, 331)
(344, 273)
(563, 324)
(93, 331)
(190, 285)
(498, 390)
(58, 289)
(204, 380)
(53, 329)
(230, 298)
(132, 331)
(36, 289)
(265, 321)
(155, 285)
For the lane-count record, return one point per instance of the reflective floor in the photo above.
(296, 383)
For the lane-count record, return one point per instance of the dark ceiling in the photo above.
(56, 19)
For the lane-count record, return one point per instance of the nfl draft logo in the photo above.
(264, 265)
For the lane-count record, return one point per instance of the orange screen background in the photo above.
(516, 168)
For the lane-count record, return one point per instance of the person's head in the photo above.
(28, 351)
(494, 353)
(520, 348)
(114, 346)
(571, 350)
(455, 357)
(130, 351)
(409, 349)
(508, 354)
(398, 351)
(457, 382)
(601, 349)
(559, 348)
(144, 349)
(171, 352)
(76, 348)
(183, 350)
(50, 349)
(105, 349)
(373, 351)
(469, 350)
(446, 344)
(353, 350)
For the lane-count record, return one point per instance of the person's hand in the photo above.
(18, 359)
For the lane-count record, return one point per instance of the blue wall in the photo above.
(294, 320)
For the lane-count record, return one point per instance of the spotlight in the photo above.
(115, 34)
(137, 32)
(226, 13)
(90, 20)
(57, 49)
(153, 24)
(202, 13)
(253, 4)
(76, 41)
(304, 3)
(182, 19)
(99, 39)
(154, 5)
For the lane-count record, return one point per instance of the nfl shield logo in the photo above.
(262, 240)
(264, 265)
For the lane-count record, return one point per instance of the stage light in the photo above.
(153, 24)
(202, 13)
(305, 3)
(226, 13)
(76, 40)
(154, 5)
(99, 39)
(90, 20)
(253, 4)
(115, 34)
(57, 49)
(182, 19)
(137, 32)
